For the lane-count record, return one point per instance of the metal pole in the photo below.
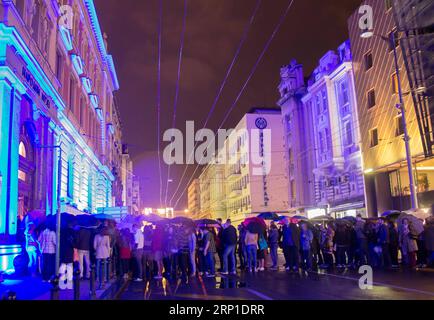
(58, 218)
(413, 192)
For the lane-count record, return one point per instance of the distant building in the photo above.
(194, 199)
(381, 130)
(136, 201)
(236, 183)
(127, 178)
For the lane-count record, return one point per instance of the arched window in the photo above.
(22, 150)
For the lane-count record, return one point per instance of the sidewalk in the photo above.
(29, 288)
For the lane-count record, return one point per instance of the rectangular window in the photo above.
(344, 92)
(373, 134)
(394, 80)
(318, 104)
(371, 99)
(394, 43)
(399, 131)
(349, 133)
(71, 94)
(369, 62)
(81, 111)
(58, 66)
(321, 142)
(324, 100)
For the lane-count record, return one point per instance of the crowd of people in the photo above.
(179, 251)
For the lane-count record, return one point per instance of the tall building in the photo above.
(247, 177)
(127, 177)
(298, 139)
(194, 199)
(381, 129)
(135, 199)
(56, 98)
(331, 100)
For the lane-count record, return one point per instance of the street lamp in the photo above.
(366, 33)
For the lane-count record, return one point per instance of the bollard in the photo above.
(77, 284)
(55, 288)
(92, 282)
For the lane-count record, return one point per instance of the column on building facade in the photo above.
(11, 90)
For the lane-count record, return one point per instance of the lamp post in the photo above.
(392, 41)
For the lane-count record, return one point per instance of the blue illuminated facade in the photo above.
(56, 100)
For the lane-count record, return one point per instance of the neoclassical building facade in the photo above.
(56, 102)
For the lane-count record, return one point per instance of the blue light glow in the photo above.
(94, 100)
(87, 84)
(66, 38)
(78, 64)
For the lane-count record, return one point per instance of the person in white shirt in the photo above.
(139, 242)
(47, 241)
(101, 244)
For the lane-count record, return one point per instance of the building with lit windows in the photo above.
(381, 129)
(212, 192)
(194, 199)
(127, 178)
(56, 102)
(247, 177)
(331, 100)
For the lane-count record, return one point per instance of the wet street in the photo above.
(282, 285)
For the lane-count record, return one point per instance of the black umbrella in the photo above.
(206, 221)
(184, 221)
(103, 216)
(344, 222)
(255, 227)
(351, 219)
(268, 216)
(322, 218)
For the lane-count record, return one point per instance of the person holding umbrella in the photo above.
(251, 243)
(407, 243)
(291, 244)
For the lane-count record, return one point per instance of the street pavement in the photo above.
(283, 285)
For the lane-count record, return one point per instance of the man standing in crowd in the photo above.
(273, 240)
(47, 241)
(291, 244)
(83, 247)
(229, 243)
(147, 261)
(209, 252)
(384, 241)
(139, 243)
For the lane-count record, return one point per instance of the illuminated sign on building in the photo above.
(35, 87)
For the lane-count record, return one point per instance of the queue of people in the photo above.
(180, 251)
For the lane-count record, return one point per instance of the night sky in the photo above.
(214, 30)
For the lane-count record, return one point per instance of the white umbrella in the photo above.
(419, 213)
(416, 225)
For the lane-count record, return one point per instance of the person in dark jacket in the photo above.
(429, 240)
(242, 253)
(384, 241)
(82, 241)
(291, 245)
(393, 244)
(229, 243)
(273, 241)
(66, 257)
(342, 241)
